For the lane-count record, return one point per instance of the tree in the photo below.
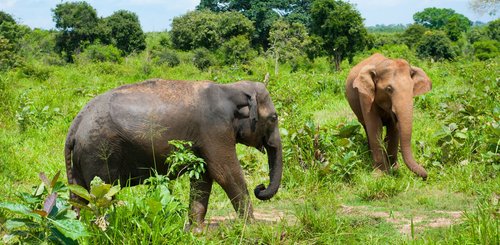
(10, 38)
(263, 13)
(287, 42)
(126, 32)
(340, 26)
(493, 30)
(486, 49)
(456, 25)
(435, 45)
(413, 34)
(5, 17)
(77, 23)
(485, 6)
(208, 29)
(443, 19)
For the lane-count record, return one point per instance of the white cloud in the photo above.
(7, 4)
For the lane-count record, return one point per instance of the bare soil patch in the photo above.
(430, 219)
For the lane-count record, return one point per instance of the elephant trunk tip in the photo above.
(264, 194)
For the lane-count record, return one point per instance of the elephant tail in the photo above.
(68, 149)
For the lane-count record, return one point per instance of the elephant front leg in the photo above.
(226, 171)
(373, 127)
(198, 203)
(392, 139)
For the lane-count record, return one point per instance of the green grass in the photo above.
(335, 200)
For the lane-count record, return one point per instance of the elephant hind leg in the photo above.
(198, 203)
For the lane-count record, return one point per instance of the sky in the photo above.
(156, 15)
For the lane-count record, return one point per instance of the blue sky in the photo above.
(156, 15)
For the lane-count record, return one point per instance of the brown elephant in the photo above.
(122, 134)
(380, 91)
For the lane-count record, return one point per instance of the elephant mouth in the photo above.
(262, 146)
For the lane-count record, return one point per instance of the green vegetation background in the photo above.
(329, 193)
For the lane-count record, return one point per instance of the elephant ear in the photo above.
(252, 106)
(245, 100)
(365, 84)
(422, 83)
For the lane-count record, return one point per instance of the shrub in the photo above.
(101, 53)
(435, 45)
(237, 51)
(413, 34)
(208, 29)
(203, 59)
(486, 49)
(167, 57)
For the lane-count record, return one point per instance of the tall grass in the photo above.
(327, 164)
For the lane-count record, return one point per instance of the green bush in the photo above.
(167, 57)
(100, 53)
(237, 51)
(486, 49)
(203, 59)
(435, 45)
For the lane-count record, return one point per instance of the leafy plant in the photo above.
(100, 199)
(45, 216)
(28, 115)
(183, 159)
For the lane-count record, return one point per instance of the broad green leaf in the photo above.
(103, 202)
(71, 228)
(80, 191)
(460, 135)
(100, 190)
(17, 208)
(12, 224)
(39, 190)
(115, 189)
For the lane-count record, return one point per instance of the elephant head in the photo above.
(390, 85)
(256, 125)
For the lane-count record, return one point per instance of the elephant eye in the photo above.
(388, 89)
(274, 117)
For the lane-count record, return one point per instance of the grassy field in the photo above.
(331, 199)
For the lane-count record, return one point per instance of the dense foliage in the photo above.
(340, 26)
(263, 13)
(329, 192)
(79, 26)
(125, 31)
(207, 29)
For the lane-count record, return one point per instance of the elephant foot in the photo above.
(377, 173)
(194, 228)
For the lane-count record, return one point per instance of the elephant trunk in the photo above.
(405, 124)
(274, 156)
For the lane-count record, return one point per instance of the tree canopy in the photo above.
(5, 17)
(207, 29)
(79, 26)
(341, 28)
(77, 22)
(443, 19)
(263, 13)
(126, 32)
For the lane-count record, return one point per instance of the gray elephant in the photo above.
(121, 134)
